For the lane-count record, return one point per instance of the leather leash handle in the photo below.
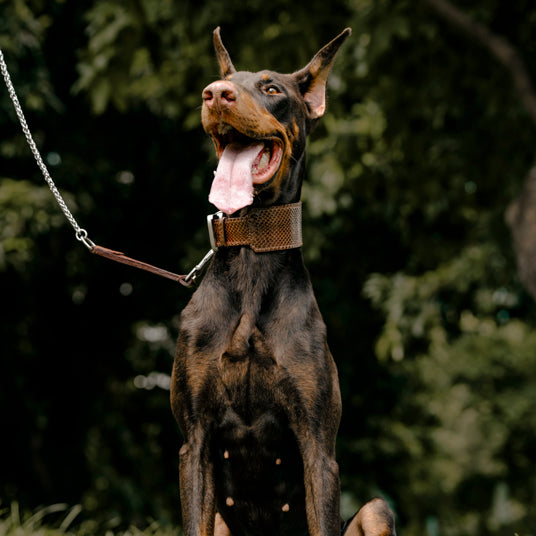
(118, 256)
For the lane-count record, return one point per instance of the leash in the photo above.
(80, 233)
(274, 228)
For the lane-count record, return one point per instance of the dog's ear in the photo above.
(312, 78)
(226, 65)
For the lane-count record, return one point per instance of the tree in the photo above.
(521, 214)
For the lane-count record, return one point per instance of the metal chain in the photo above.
(81, 234)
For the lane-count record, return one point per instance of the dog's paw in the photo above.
(220, 528)
(374, 519)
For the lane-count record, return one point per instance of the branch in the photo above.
(499, 47)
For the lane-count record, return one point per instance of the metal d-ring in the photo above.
(210, 219)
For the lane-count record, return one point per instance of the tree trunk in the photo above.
(521, 218)
(521, 213)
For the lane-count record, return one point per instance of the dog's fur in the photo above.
(254, 388)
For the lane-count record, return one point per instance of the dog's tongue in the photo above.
(232, 188)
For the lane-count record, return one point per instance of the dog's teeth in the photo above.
(230, 502)
(223, 128)
(286, 508)
(265, 159)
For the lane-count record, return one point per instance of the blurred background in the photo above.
(417, 176)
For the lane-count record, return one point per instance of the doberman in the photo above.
(254, 388)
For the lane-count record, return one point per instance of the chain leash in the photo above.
(81, 234)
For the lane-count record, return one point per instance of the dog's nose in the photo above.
(221, 93)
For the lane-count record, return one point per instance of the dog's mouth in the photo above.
(244, 163)
(267, 160)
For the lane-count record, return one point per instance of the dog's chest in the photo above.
(258, 467)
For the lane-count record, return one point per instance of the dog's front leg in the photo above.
(197, 488)
(322, 492)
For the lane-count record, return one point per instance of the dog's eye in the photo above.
(272, 90)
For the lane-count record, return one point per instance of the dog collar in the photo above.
(274, 228)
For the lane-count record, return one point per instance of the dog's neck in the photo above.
(250, 279)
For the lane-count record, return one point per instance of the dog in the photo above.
(255, 389)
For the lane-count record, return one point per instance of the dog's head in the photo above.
(258, 123)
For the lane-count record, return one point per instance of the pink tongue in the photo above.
(232, 188)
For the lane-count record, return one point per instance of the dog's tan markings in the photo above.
(278, 461)
(294, 130)
(229, 501)
(226, 454)
(286, 508)
(220, 528)
(265, 77)
(239, 346)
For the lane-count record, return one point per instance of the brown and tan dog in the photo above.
(254, 388)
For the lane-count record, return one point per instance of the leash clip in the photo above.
(190, 278)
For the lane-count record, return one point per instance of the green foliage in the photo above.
(410, 172)
(27, 212)
(21, 32)
(426, 311)
(471, 366)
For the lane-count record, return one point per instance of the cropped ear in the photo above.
(226, 65)
(312, 78)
